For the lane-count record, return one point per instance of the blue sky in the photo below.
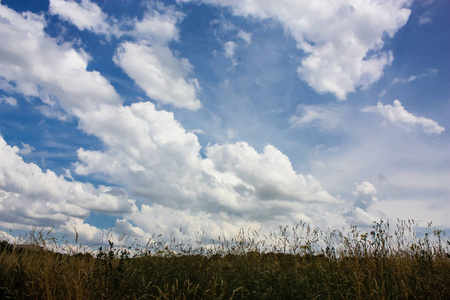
(218, 115)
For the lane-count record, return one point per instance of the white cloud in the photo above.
(337, 75)
(146, 150)
(397, 115)
(361, 218)
(27, 149)
(6, 86)
(157, 27)
(360, 214)
(429, 73)
(197, 131)
(322, 116)
(247, 37)
(341, 39)
(8, 100)
(268, 176)
(85, 15)
(148, 60)
(229, 49)
(425, 18)
(40, 67)
(400, 166)
(87, 234)
(160, 74)
(184, 224)
(8, 237)
(158, 24)
(127, 229)
(152, 65)
(160, 163)
(364, 194)
(190, 225)
(52, 111)
(29, 196)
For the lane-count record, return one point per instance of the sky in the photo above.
(177, 117)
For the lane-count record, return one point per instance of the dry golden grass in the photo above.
(296, 263)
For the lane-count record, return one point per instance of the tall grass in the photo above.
(300, 262)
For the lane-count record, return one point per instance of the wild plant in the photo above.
(295, 262)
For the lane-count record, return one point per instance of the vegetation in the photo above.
(295, 263)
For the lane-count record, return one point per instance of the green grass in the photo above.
(294, 263)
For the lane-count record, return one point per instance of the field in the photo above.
(388, 262)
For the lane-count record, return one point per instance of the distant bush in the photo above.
(295, 263)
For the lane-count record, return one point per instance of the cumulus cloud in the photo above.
(158, 25)
(160, 74)
(126, 228)
(146, 150)
(342, 40)
(26, 149)
(184, 224)
(268, 175)
(33, 64)
(364, 194)
(86, 233)
(30, 196)
(160, 162)
(397, 115)
(188, 224)
(85, 15)
(148, 60)
(152, 65)
(38, 66)
(152, 155)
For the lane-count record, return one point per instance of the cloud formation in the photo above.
(229, 50)
(40, 67)
(322, 116)
(146, 151)
(397, 115)
(8, 100)
(85, 15)
(246, 36)
(30, 196)
(160, 74)
(148, 59)
(26, 149)
(342, 40)
(158, 25)
(429, 73)
(159, 162)
(171, 168)
(426, 18)
(364, 194)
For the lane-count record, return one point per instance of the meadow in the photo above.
(300, 262)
